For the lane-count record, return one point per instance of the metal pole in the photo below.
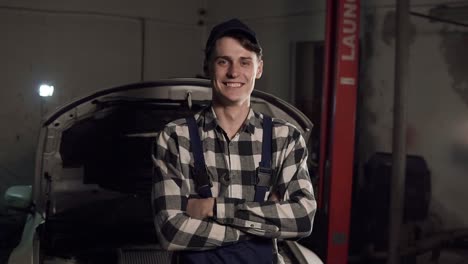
(143, 49)
(397, 190)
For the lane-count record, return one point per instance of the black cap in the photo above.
(233, 25)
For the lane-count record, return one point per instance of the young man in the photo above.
(238, 223)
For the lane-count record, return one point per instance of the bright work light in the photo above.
(46, 90)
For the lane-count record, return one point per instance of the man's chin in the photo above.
(230, 101)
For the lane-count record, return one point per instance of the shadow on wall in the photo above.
(454, 41)
(388, 30)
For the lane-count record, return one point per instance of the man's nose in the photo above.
(233, 71)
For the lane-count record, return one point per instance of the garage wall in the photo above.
(175, 11)
(437, 101)
(173, 50)
(81, 47)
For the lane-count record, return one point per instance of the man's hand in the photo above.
(200, 208)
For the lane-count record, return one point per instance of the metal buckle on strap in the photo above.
(264, 176)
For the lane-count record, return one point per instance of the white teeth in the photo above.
(233, 84)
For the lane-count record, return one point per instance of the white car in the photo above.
(90, 200)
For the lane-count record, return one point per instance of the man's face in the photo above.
(233, 70)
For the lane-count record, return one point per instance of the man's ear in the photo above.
(259, 69)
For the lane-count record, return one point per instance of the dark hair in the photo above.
(243, 40)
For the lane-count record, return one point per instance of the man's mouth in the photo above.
(233, 84)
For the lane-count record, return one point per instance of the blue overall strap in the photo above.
(200, 175)
(264, 171)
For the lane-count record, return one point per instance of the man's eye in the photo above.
(221, 62)
(245, 63)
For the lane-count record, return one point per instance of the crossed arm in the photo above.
(203, 208)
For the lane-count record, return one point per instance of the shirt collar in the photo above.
(211, 122)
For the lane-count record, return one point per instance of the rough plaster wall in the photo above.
(278, 25)
(173, 50)
(436, 101)
(174, 11)
(80, 53)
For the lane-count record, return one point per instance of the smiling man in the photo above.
(230, 181)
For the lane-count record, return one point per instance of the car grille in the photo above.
(144, 256)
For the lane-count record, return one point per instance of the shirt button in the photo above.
(226, 177)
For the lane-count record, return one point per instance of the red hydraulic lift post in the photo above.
(338, 124)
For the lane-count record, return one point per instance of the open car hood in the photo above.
(94, 167)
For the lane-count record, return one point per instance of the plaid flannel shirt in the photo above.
(230, 165)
